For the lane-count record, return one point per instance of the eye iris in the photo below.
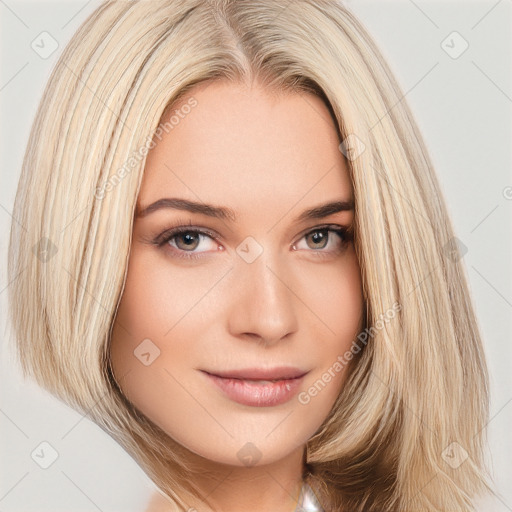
(319, 237)
(191, 240)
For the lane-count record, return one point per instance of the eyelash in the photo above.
(345, 234)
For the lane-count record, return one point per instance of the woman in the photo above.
(247, 274)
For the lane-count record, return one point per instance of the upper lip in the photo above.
(277, 373)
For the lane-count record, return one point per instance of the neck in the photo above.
(274, 486)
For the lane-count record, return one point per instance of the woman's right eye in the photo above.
(184, 242)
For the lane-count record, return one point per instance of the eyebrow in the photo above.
(219, 212)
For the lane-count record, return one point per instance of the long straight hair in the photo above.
(417, 394)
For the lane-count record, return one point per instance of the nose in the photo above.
(263, 301)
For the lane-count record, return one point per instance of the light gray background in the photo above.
(463, 107)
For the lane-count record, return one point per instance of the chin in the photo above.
(249, 444)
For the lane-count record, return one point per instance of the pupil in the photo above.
(188, 239)
(319, 237)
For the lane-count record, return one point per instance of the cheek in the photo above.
(334, 294)
(157, 320)
(143, 318)
(157, 296)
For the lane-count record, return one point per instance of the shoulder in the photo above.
(158, 503)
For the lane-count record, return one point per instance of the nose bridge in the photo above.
(264, 304)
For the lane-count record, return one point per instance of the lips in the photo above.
(258, 387)
(278, 373)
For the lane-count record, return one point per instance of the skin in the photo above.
(268, 157)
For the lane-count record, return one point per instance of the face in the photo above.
(243, 289)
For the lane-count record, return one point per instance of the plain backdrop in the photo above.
(453, 61)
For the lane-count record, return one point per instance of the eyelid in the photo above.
(164, 237)
(333, 227)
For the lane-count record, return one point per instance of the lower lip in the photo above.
(257, 394)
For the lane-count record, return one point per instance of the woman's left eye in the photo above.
(184, 242)
(325, 239)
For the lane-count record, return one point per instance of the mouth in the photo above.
(258, 387)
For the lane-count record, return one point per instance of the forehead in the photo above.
(247, 147)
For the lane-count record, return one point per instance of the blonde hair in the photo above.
(420, 383)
